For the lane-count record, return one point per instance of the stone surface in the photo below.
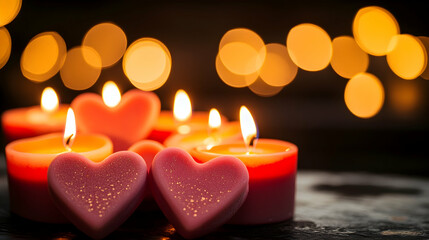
(328, 206)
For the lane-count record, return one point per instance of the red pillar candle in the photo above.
(36, 120)
(272, 168)
(27, 165)
(125, 121)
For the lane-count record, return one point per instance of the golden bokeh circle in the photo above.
(9, 9)
(425, 41)
(309, 47)
(348, 59)
(147, 64)
(77, 73)
(234, 80)
(43, 56)
(364, 95)
(408, 58)
(278, 69)
(242, 51)
(109, 40)
(373, 28)
(5, 46)
(261, 88)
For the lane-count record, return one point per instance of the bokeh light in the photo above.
(425, 41)
(348, 59)
(234, 80)
(405, 97)
(5, 46)
(77, 73)
(43, 56)
(309, 47)
(242, 51)
(261, 88)
(108, 40)
(373, 28)
(364, 95)
(147, 64)
(408, 58)
(278, 69)
(8, 10)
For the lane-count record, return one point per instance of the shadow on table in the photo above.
(142, 225)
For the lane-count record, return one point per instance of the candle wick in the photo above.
(68, 141)
(252, 144)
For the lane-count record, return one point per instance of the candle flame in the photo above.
(111, 94)
(182, 109)
(248, 126)
(70, 130)
(49, 101)
(214, 119)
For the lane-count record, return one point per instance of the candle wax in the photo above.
(32, 121)
(27, 165)
(272, 171)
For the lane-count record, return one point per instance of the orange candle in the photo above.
(272, 171)
(214, 134)
(124, 120)
(27, 165)
(36, 120)
(147, 149)
(181, 120)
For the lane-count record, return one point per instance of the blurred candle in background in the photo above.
(181, 120)
(215, 133)
(49, 117)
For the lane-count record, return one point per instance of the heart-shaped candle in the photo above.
(129, 121)
(197, 198)
(97, 197)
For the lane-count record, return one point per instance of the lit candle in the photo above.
(272, 171)
(215, 134)
(181, 120)
(27, 165)
(124, 120)
(36, 120)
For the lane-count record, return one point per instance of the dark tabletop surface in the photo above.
(328, 206)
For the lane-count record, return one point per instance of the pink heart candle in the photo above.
(129, 121)
(97, 197)
(272, 168)
(197, 198)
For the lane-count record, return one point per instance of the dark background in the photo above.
(309, 112)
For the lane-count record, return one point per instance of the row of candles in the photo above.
(134, 122)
